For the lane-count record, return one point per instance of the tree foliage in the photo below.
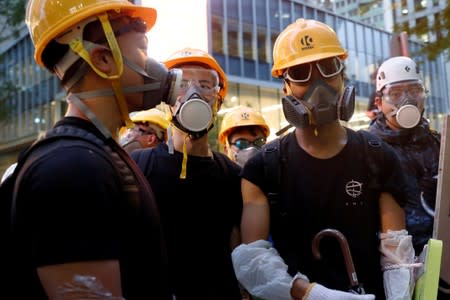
(440, 28)
(12, 15)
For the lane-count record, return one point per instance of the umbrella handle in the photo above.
(355, 286)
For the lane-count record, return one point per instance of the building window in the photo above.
(262, 49)
(247, 40)
(217, 34)
(233, 38)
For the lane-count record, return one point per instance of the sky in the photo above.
(179, 24)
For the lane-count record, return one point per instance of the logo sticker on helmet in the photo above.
(245, 116)
(306, 42)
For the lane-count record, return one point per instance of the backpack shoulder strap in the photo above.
(374, 156)
(220, 158)
(272, 159)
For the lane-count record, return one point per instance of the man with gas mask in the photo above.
(243, 132)
(316, 178)
(84, 217)
(197, 189)
(401, 98)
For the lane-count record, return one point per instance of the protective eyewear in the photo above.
(396, 93)
(327, 67)
(206, 81)
(243, 143)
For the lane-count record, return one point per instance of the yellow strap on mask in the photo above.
(122, 103)
(113, 45)
(185, 158)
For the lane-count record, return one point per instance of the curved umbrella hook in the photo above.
(345, 251)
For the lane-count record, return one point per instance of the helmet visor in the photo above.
(327, 67)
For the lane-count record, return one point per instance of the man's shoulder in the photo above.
(435, 134)
(278, 143)
(71, 156)
(226, 163)
(68, 153)
(144, 157)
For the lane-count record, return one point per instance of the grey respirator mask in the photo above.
(193, 113)
(320, 105)
(406, 113)
(160, 84)
(242, 156)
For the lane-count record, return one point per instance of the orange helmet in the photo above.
(191, 55)
(47, 19)
(241, 116)
(304, 41)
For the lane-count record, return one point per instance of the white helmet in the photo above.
(396, 69)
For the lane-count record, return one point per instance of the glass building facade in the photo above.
(241, 35)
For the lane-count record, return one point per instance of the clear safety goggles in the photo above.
(205, 81)
(327, 67)
(396, 93)
(244, 143)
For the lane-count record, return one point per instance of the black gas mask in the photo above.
(320, 105)
(160, 84)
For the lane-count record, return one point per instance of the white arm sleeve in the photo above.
(397, 262)
(261, 270)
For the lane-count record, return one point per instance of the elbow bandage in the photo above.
(261, 270)
(397, 262)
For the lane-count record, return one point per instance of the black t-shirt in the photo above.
(197, 215)
(71, 207)
(334, 193)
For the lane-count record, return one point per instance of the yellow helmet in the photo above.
(241, 116)
(48, 19)
(304, 41)
(153, 115)
(191, 55)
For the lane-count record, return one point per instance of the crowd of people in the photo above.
(121, 200)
